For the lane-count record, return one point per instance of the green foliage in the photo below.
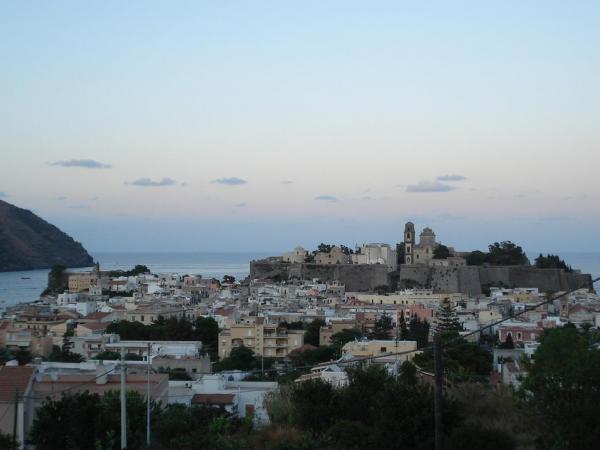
(139, 269)
(504, 253)
(562, 391)
(312, 357)
(339, 339)
(405, 334)
(312, 332)
(469, 437)
(462, 360)
(7, 443)
(382, 328)
(324, 248)
(243, 358)
(177, 374)
(446, 318)
(408, 373)
(108, 355)
(59, 423)
(228, 279)
(204, 329)
(441, 252)
(477, 258)
(419, 331)
(56, 280)
(551, 262)
(64, 354)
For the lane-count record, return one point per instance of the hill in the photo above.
(29, 242)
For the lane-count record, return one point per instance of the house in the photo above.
(262, 338)
(329, 373)
(244, 398)
(298, 255)
(15, 387)
(335, 256)
(380, 349)
(382, 254)
(86, 329)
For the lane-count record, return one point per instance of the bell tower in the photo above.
(409, 242)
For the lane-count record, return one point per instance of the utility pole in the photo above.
(123, 401)
(16, 418)
(148, 399)
(437, 399)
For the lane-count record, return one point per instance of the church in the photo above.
(422, 252)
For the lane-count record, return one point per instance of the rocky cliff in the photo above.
(29, 242)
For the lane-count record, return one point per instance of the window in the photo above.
(142, 318)
(383, 349)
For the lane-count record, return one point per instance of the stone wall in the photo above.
(468, 280)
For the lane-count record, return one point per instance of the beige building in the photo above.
(334, 327)
(408, 297)
(264, 339)
(298, 255)
(335, 256)
(80, 282)
(376, 348)
(150, 314)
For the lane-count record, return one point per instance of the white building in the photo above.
(244, 397)
(376, 254)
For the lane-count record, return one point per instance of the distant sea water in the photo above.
(26, 286)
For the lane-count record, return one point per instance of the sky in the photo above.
(261, 125)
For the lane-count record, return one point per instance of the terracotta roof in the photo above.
(97, 315)
(212, 399)
(304, 348)
(13, 378)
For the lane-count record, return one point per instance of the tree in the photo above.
(551, 262)
(240, 358)
(7, 442)
(313, 330)
(561, 389)
(477, 258)
(508, 343)
(346, 250)
(419, 330)
(506, 253)
(64, 354)
(405, 334)
(108, 355)
(408, 373)
(341, 338)
(382, 328)
(462, 360)
(314, 406)
(56, 278)
(228, 279)
(441, 252)
(324, 248)
(446, 318)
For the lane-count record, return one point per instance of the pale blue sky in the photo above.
(262, 125)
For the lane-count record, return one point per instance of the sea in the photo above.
(26, 286)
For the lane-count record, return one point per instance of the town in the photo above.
(301, 320)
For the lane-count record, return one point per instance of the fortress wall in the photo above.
(356, 277)
(444, 279)
(469, 281)
(416, 273)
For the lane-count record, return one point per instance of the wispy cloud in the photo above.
(61, 198)
(94, 198)
(429, 186)
(85, 163)
(453, 177)
(3, 195)
(241, 205)
(366, 198)
(326, 198)
(147, 182)
(79, 206)
(231, 181)
(287, 182)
